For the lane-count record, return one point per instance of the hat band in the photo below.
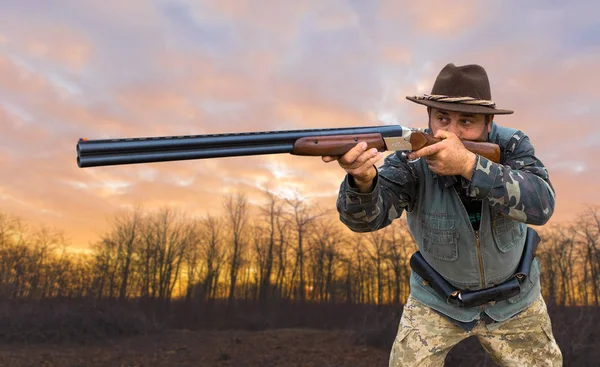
(464, 100)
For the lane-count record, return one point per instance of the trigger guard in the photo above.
(405, 156)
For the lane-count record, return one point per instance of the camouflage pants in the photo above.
(425, 338)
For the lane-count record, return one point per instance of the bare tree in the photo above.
(10, 235)
(237, 214)
(558, 257)
(127, 231)
(302, 217)
(398, 251)
(117, 248)
(377, 255)
(35, 264)
(325, 242)
(590, 236)
(357, 274)
(271, 214)
(49, 247)
(165, 238)
(260, 247)
(282, 250)
(213, 255)
(191, 258)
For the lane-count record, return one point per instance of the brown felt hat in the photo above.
(461, 89)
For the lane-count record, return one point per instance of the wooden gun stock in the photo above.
(336, 145)
(490, 151)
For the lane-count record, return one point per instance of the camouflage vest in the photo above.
(467, 259)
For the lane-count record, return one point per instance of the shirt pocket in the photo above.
(506, 231)
(440, 237)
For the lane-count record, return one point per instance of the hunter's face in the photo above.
(465, 125)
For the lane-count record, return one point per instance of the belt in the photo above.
(500, 292)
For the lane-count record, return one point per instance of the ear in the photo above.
(489, 120)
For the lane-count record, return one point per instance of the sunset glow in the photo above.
(72, 69)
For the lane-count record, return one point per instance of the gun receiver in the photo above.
(310, 142)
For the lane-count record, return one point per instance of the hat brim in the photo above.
(460, 107)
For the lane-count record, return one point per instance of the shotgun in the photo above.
(309, 142)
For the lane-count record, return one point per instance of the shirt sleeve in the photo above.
(394, 191)
(519, 188)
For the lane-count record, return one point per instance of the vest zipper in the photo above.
(477, 244)
(481, 269)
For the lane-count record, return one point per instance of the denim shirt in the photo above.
(515, 192)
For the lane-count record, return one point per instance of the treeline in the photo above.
(570, 257)
(278, 250)
(281, 249)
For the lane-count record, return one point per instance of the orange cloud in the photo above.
(293, 65)
(57, 43)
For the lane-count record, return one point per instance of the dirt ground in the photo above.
(283, 347)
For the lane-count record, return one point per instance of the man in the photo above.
(468, 216)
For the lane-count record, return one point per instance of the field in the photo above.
(80, 334)
(281, 347)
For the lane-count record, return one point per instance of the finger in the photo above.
(443, 134)
(431, 161)
(366, 166)
(434, 166)
(374, 160)
(328, 158)
(353, 153)
(426, 151)
(367, 156)
(360, 160)
(371, 161)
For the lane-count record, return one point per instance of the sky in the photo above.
(118, 69)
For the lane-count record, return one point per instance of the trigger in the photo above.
(404, 155)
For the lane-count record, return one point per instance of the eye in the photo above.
(443, 119)
(466, 122)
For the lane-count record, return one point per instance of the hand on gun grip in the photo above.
(359, 162)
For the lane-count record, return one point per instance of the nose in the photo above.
(453, 128)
